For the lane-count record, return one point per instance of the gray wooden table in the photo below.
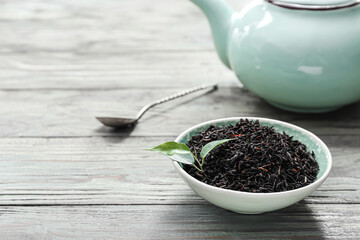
(63, 176)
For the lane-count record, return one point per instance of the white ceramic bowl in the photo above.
(255, 203)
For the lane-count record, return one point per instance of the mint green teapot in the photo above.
(298, 55)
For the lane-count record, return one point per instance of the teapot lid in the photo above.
(315, 4)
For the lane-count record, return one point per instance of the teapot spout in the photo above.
(219, 15)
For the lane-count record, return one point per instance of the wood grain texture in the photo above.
(147, 69)
(63, 176)
(72, 113)
(178, 222)
(85, 44)
(62, 171)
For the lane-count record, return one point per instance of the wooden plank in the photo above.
(110, 27)
(148, 69)
(303, 221)
(63, 176)
(58, 171)
(71, 113)
(78, 44)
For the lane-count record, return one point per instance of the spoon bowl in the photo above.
(117, 122)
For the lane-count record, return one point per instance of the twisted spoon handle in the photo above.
(174, 96)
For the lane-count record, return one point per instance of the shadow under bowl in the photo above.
(255, 203)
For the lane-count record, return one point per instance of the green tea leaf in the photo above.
(171, 148)
(175, 151)
(211, 145)
(183, 158)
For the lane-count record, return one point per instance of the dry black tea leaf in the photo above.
(258, 160)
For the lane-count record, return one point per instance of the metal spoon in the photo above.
(117, 122)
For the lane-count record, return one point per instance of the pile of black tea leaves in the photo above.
(258, 160)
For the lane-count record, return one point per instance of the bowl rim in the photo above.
(308, 187)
